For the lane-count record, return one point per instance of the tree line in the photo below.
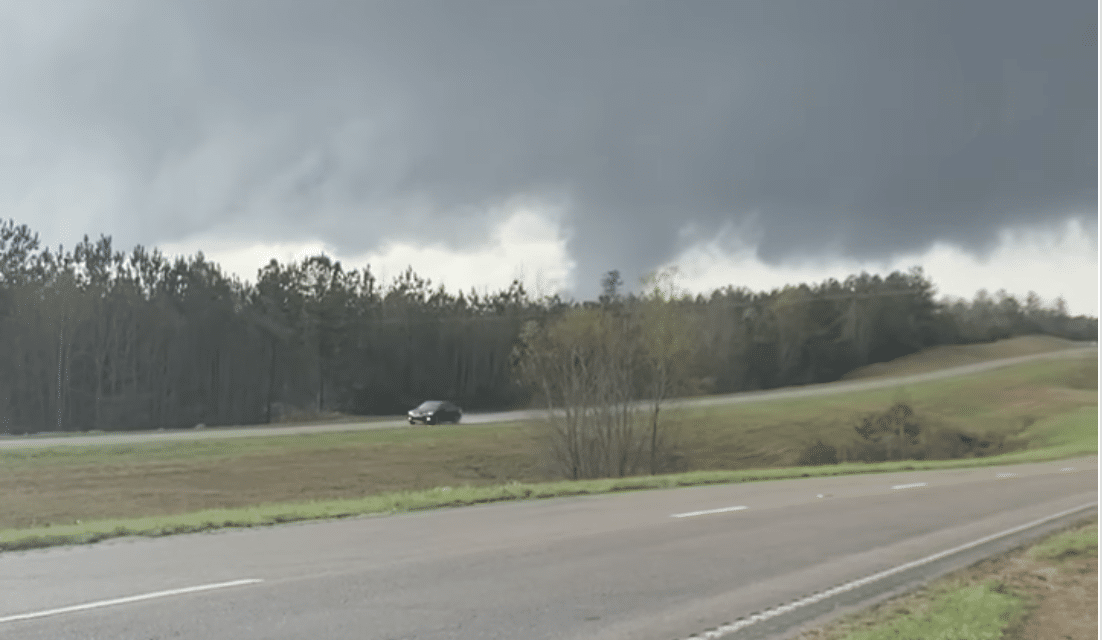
(93, 338)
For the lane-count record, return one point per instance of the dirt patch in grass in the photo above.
(1059, 595)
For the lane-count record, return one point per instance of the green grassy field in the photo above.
(1042, 410)
(1067, 545)
(976, 612)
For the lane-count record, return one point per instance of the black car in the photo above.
(434, 412)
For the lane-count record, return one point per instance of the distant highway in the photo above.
(754, 559)
(214, 433)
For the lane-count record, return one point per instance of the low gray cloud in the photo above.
(861, 127)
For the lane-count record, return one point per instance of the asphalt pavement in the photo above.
(649, 565)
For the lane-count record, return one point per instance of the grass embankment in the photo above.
(1042, 410)
(957, 355)
(1032, 405)
(1047, 590)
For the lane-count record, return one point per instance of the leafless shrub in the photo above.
(592, 367)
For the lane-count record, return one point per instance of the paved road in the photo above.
(638, 566)
(16, 442)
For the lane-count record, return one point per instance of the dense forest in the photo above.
(97, 339)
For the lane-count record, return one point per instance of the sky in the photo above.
(742, 142)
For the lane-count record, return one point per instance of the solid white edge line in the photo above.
(129, 599)
(706, 512)
(767, 614)
(909, 486)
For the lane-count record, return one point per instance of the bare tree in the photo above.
(583, 364)
(669, 333)
(605, 372)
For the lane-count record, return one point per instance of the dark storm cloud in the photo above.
(869, 128)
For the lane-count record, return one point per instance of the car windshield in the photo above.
(430, 404)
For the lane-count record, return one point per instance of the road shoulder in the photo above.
(1057, 593)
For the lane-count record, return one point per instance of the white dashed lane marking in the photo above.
(128, 599)
(690, 514)
(896, 487)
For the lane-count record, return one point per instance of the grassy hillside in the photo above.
(1027, 406)
(958, 355)
(1030, 411)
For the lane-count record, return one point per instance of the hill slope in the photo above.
(947, 356)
